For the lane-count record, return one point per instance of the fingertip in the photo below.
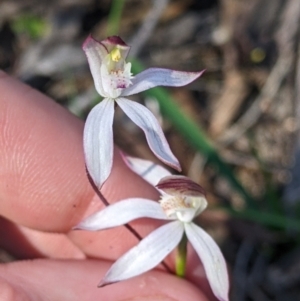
(8, 292)
(77, 280)
(42, 175)
(43, 182)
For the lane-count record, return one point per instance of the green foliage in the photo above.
(114, 17)
(33, 26)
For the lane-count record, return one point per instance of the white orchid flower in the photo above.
(113, 81)
(181, 202)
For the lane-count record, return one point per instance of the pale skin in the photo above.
(44, 192)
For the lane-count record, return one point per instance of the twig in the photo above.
(292, 189)
(286, 39)
(240, 274)
(143, 34)
(262, 102)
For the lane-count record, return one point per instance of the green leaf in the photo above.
(114, 17)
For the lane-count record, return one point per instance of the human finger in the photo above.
(77, 280)
(43, 183)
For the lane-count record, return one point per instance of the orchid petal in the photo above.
(154, 77)
(147, 254)
(157, 142)
(148, 170)
(98, 141)
(121, 213)
(95, 53)
(211, 258)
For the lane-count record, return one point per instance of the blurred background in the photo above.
(235, 130)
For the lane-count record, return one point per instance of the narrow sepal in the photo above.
(146, 255)
(95, 53)
(148, 170)
(156, 139)
(154, 77)
(98, 141)
(211, 258)
(121, 213)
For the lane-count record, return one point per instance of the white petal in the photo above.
(154, 77)
(121, 213)
(98, 141)
(148, 170)
(157, 142)
(95, 53)
(211, 258)
(146, 255)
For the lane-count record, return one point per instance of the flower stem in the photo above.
(127, 226)
(114, 17)
(180, 260)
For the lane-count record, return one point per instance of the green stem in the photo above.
(267, 219)
(114, 17)
(180, 261)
